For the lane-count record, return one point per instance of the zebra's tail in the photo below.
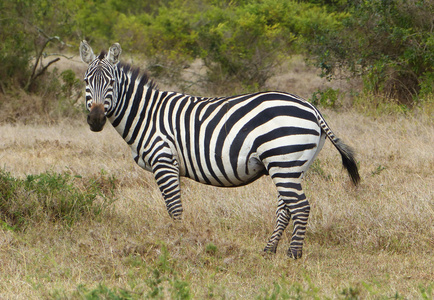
(348, 160)
(346, 151)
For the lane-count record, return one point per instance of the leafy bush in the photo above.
(52, 197)
(326, 98)
(244, 44)
(389, 43)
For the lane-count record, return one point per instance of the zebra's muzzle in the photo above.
(96, 118)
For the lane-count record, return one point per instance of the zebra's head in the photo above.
(100, 79)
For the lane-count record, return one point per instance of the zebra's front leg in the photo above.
(167, 176)
(282, 221)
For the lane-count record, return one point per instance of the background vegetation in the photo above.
(389, 44)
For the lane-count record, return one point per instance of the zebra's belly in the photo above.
(254, 170)
(245, 171)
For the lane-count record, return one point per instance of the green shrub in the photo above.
(70, 83)
(389, 43)
(326, 98)
(247, 43)
(100, 292)
(52, 197)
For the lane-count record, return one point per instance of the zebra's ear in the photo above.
(86, 52)
(114, 53)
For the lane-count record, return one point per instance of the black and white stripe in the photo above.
(227, 141)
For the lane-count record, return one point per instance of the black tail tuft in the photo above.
(348, 160)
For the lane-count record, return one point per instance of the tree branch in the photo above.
(39, 54)
(45, 68)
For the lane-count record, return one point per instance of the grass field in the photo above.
(79, 220)
(375, 241)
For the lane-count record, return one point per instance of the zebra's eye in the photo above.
(86, 81)
(112, 82)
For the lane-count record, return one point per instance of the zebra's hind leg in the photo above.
(292, 205)
(299, 208)
(282, 221)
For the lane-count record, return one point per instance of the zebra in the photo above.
(222, 141)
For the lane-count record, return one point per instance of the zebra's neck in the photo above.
(134, 104)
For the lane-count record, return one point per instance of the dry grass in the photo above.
(374, 241)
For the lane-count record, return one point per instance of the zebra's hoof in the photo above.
(268, 254)
(295, 253)
(269, 250)
(176, 216)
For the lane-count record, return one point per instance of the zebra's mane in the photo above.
(137, 75)
(102, 55)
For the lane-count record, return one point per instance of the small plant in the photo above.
(211, 249)
(317, 169)
(377, 171)
(285, 290)
(154, 283)
(163, 279)
(351, 293)
(180, 289)
(427, 292)
(326, 98)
